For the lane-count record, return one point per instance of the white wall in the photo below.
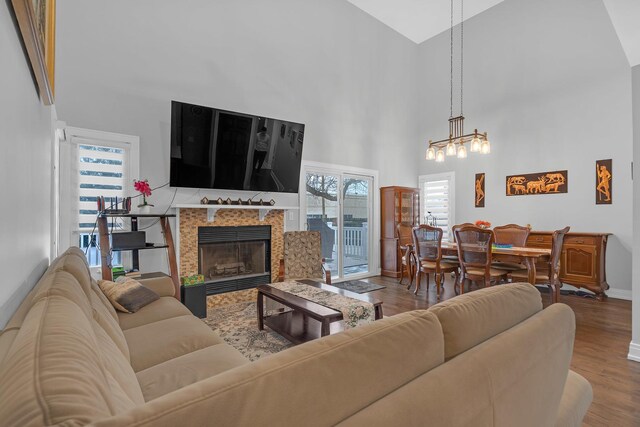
(25, 163)
(551, 84)
(634, 349)
(326, 64)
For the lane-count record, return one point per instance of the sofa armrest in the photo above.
(163, 286)
(575, 402)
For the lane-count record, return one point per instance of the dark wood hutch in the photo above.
(397, 204)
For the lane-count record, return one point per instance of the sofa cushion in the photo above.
(127, 295)
(160, 341)
(163, 286)
(575, 402)
(163, 308)
(54, 372)
(469, 319)
(176, 373)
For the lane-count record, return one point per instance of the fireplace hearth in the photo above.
(234, 258)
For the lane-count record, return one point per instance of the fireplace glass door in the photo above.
(221, 261)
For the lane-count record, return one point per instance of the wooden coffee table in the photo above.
(295, 325)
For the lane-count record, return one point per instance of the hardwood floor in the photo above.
(603, 333)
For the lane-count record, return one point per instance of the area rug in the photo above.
(358, 286)
(237, 324)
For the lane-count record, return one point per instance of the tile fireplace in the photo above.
(234, 258)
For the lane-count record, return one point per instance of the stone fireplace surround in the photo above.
(190, 219)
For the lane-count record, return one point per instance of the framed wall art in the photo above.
(37, 22)
(479, 190)
(555, 182)
(604, 182)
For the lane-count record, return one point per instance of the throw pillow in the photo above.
(128, 295)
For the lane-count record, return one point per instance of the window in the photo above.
(438, 201)
(95, 164)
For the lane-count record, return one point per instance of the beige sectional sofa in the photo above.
(491, 357)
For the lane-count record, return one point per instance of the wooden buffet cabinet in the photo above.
(583, 259)
(397, 204)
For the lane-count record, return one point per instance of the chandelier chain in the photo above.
(451, 68)
(461, 52)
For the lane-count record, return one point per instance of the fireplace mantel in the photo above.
(213, 209)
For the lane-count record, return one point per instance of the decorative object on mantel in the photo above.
(604, 182)
(142, 187)
(555, 182)
(479, 200)
(37, 21)
(455, 143)
(239, 202)
(483, 224)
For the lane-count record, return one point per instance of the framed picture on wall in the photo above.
(37, 22)
(604, 182)
(479, 190)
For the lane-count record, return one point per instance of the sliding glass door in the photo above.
(340, 207)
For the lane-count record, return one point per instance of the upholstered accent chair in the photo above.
(474, 253)
(550, 275)
(303, 257)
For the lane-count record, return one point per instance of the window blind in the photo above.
(437, 203)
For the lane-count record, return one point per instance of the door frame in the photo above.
(374, 209)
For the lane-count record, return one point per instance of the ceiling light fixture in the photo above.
(454, 144)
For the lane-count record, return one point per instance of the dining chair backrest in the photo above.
(455, 227)
(557, 240)
(474, 246)
(403, 233)
(511, 234)
(427, 242)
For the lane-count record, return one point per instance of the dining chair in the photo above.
(510, 234)
(550, 275)
(453, 259)
(427, 242)
(408, 257)
(474, 253)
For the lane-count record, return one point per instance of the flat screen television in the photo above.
(219, 149)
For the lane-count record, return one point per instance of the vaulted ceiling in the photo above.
(419, 20)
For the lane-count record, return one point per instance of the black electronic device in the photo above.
(219, 149)
(126, 240)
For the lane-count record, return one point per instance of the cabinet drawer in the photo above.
(539, 240)
(580, 240)
(579, 263)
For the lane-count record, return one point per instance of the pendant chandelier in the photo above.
(454, 145)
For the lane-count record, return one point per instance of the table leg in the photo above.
(259, 307)
(378, 312)
(326, 329)
(531, 268)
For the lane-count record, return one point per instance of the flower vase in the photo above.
(144, 208)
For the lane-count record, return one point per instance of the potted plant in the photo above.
(142, 186)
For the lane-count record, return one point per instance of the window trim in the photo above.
(74, 135)
(451, 177)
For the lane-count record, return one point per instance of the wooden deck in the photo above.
(603, 333)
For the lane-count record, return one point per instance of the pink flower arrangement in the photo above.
(142, 186)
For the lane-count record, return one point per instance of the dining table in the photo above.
(528, 256)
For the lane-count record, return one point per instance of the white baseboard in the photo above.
(634, 352)
(620, 294)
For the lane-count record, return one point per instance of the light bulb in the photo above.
(440, 156)
(431, 153)
(486, 147)
(475, 144)
(451, 149)
(462, 152)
